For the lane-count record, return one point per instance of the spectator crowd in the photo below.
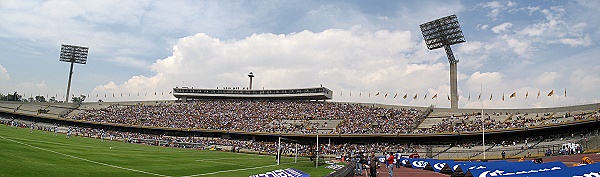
(258, 116)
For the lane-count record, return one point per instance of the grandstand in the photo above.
(344, 127)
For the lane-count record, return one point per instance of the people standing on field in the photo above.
(69, 132)
(398, 155)
(373, 164)
(390, 162)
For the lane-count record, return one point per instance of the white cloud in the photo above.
(4, 76)
(491, 80)
(474, 54)
(522, 48)
(482, 26)
(547, 78)
(502, 27)
(585, 81)
(582, 41)
(497, 7)
(339, 59)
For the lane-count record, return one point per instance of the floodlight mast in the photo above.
(250, 75)
(444, 32)
(72, 54)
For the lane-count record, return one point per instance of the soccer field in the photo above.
(42, 154)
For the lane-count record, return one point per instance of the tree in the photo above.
(11, 97)
(52, 100)
(78, 99)
(40, 98)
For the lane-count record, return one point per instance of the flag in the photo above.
(434, 96)
(514, 94)
(385, 96)
(405, 95)
(479, 97)
(565, 92)
(551, 93)
(415, 97)
(395, 95)
(377, 94)
(538, 94)
(448, 96)
(425, 96)
(503, 97)
(526, 94)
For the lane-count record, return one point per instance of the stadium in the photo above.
(293, 127)
(229, 122)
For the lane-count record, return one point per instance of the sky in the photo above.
(140, 50)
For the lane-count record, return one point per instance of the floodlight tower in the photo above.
(250, 76)
(444, 32)
(72, 54)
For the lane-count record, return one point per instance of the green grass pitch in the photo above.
(41, 154)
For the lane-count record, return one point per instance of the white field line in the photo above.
(225, 163)
(231, 158)
(55, 143)
(79, 158)
(234, 170)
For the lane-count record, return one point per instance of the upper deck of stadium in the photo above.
(317, 93)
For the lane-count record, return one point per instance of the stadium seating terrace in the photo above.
(259, 116)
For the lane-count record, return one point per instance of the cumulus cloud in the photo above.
(585, 81)
(523, 48)
(547, 78)
(502, 27)
(497, 7)
(482, 26)
(340, 59)
(4, 74)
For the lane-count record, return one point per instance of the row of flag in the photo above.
(513, 95)
(129, 94)
(100, 95)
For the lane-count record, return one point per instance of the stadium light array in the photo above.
(72, 54)
(440, 33)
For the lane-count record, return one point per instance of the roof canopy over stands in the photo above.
(319, 93)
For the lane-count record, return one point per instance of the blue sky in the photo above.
(362, 47)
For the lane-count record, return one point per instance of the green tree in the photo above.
(52, 100)
(78, 99)
(40, 98)
(11, 97)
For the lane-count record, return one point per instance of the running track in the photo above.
(409, 172)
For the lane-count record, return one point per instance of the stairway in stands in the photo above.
(445, 150)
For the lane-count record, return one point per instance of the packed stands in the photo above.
(259, 116)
